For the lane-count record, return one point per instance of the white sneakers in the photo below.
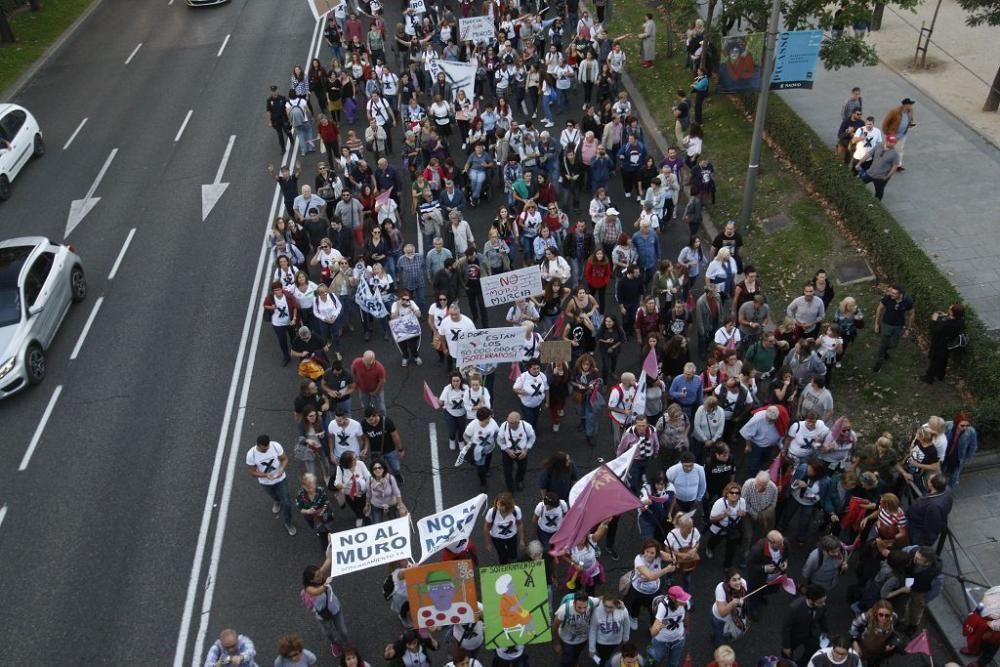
(358, 523)
(291, 529)
(275, 508)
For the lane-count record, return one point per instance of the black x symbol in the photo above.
(268, 465)
(505, 528)
(342, 439)
(282, 311)
(455, 334)
(551, 520)
(536, 389)
(455, 405)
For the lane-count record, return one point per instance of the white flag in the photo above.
(618, 465)
(449, 526)
(639, 403)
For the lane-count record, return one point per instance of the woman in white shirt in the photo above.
(475, 396)
(503, 528)
(326, 313)
(379, 279)
(452, 401)
(352, 480)
(441, 113)
(305, 295)
(555, 267)
(683, 541)
(649, 567)
(585, 567)
(728, 616)
(436, 313)
(721, 272)
(694, 144)
(406, 309)
(726, 520)
(522, 310)
(285, 272)
(326, 258)
(549, 513)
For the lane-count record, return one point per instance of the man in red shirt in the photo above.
(369, 379)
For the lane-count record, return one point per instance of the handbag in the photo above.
(577, 395)
(691, 560)
(625, 581)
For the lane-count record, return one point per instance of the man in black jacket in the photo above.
(945, 328)
(927, 516)
(804, 622)
(766, 561)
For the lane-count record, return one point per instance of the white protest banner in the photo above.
(493, 346)
(321, 8)
(418, 6)
(619, 466)
(370, 546)
(512, 285)
(477, 29)
(461, 76)
(404, 328)
(449, 526)
(369, 299)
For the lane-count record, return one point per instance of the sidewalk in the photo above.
(947, 199)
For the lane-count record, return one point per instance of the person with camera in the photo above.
(947, 334)
(231, 649)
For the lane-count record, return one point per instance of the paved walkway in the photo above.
(948, 198)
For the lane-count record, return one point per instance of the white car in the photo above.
(20, 140)
(39, 280)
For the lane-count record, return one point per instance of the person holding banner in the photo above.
(317, 595)
(352, 481)
(405, 308)
(451, 329)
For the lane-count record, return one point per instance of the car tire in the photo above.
(34, 362)
(4, 188)
(77, 284)
(39, 146)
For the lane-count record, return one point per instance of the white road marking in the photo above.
(435, 468)
(253, 313)
(211, 193)
(3, 513)
(223, 47)
(177, 137)
(121, 255)
(36, 438)
(171, 2)
(79, 208)
(134, 51)
(75, 132)
(86, 329)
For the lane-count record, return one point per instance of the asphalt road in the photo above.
(157, 412)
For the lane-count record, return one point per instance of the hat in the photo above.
(611, 211)
(678, 593)
(907, 100)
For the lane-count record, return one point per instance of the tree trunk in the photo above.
(35, 5)
(6, 33)
(708, 31)
(993, 99)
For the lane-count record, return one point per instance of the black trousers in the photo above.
(508, 471)
(284, 135)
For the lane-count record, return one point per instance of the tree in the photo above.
(839, 49)
(985, 12)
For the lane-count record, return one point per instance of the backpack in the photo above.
(298, 115)
(959, 342)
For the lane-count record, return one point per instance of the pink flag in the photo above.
(429, 398)
(789, 586)
(557, 328)
(603, 497)
(649, 365)
(383, 197)
(515, 371)
(919, 644)
(774, 470)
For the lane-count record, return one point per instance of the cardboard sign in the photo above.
(321, 8)
(477, 29)
(493, 346)
(507, 287)
(441, 594)
(515, 604)
(370, 546)
(404, 327)
(556, 351)
(418, 6)
(449, 526)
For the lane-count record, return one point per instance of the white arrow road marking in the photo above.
(79, 208)
(212, 193)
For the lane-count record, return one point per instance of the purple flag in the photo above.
(604, 497)
(649, 365)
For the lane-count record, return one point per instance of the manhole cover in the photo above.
(776, 223)
(851, 271)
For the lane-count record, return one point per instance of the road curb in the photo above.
(43, 59)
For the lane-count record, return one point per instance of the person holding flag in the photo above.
(644, 436)
(621, 402)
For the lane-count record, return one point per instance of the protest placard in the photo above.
(441, 594)
(557, 351)
(369, 299)
(515, 604)
(369, 546)
(477, 29)
(404, 328)
(507, 287)
(449, 526)
(493, 346)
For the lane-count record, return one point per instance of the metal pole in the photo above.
(767, 68)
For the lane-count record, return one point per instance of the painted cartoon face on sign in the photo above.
(442, 594)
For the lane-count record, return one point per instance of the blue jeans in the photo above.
(282, 333)
(758, 459)
(530, 415)
(673, 652)
(392, 460)
(718, 632)
(527, 248)
(588, 416)
(478, 179)
(563, 100)
(456, 427)
(279, 494)
(547, 108)
(305, 132)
